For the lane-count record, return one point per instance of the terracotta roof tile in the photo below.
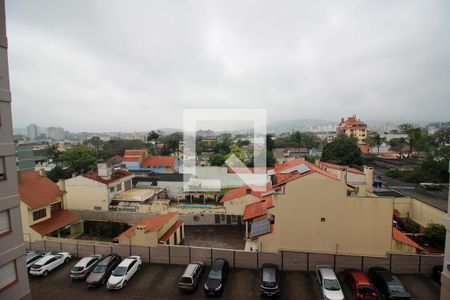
(37, 191)
(299, 161)
(160, 161)
(114, 177)
(171, 230)
(58, 220)
(402, 238)
(244, 190)
(152, 223)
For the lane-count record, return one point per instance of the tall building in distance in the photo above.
(353, 127)
(32, 131)
(13, 272)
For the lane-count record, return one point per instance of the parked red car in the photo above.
(360, 285)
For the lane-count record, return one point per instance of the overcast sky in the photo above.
(135, 65)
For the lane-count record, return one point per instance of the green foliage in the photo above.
(408, 225)
(418, 138)
(375, 141)
(171, 142)
(436, 234)
(222, 147)
(79, 159)
(217, 160)
(343, 150)
(442, 137)
(53, 152)
(153, 135)
(58, 173)
(297, 139)
(118, 147)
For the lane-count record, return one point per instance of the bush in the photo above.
(408, 225)
(436, 234)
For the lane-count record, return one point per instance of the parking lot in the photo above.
(159, 281)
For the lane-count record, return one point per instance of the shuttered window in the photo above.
(8, 275)
(5, 224)
(39, 214)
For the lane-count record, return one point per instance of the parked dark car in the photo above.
(360, 285)
(388, 284)
(191, 276)
(437, 271)
(217, 277)
(103, 270)
(270, 280)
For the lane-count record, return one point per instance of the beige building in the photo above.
(315, 210)
(353, 127)
(162, 229)
(14, 277)
(235, 200)
(43, 210)
(96, 190)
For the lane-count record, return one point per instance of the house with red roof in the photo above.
(140, 161)
(402, 243)
(43, 209)
(235, 200)
(312, 210)
(163, 229)
(353, 127)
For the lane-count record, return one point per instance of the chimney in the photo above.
(104, 170)
(343, 175)
(317, 162)
(42, 172)
(368, 171)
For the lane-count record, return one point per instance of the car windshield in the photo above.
(397, 288)
(366, 290)
(215, 274)
(99, 269)
(331, 285)
(119, 271)
(36, 266)
(77, 269)
(185, 280)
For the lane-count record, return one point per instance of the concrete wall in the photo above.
(237, 206)
(286, 260)
(351, 225)
(86, 194)
(418, 211)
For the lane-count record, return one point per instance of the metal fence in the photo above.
(286, 260)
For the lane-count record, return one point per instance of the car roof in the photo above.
(327, 273)
(84, 261)
(388, 277)
(106, 259)
(126, 262)
(46, 258)
(190, 269)
(218, 264)
(360, 277)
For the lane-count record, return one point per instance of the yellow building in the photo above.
(353, 127)
(314, 210)
(96, 190)
(162, 229)
(43, 209)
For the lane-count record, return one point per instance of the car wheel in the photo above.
(66, 260)
(45, 273)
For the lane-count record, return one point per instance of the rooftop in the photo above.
(152, 223)
(58, 220)
(402, 238)
(139, 195)
(160, 161)
(115, 176)
(36, 190)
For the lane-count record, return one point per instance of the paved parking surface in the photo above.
(215, 236)
(158, 281)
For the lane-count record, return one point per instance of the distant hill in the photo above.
(301, 125)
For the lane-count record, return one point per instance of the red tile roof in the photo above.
(341, 167)
(115, 159)
(114, 177)
(244, 190)
(171, 230)
(58, 220)
(160, 161)
(139, 152)
(254, 210)
(299, 161)
(37, 191)
(402, 238)
(152, 223)
(352, 121)
(131, 159)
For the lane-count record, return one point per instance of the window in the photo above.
(8, 275)
(5, 224)
(56, 206)
(119, 187)
(2, 168)
(39, 214)
(111, 189)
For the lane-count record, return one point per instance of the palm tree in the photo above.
(376, 141)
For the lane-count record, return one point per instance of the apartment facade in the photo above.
(353, 127)
(14, 280)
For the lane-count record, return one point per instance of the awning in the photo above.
(58, 220)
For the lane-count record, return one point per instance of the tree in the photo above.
(296, 138)
(58, 173)
(153, 135)
(97, 143)
(79, 159)
(217, 160)
(118, 147)
(53, 152)
(416, 136)
(397, 144)
(343, 150)
(442, 137)
(436, 234)
(376, 141)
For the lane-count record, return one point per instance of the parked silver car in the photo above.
(191, 275)
(84, 266)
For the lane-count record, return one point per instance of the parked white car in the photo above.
(329, 284)
(48, 263)
(123, 272)
(33, 256)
